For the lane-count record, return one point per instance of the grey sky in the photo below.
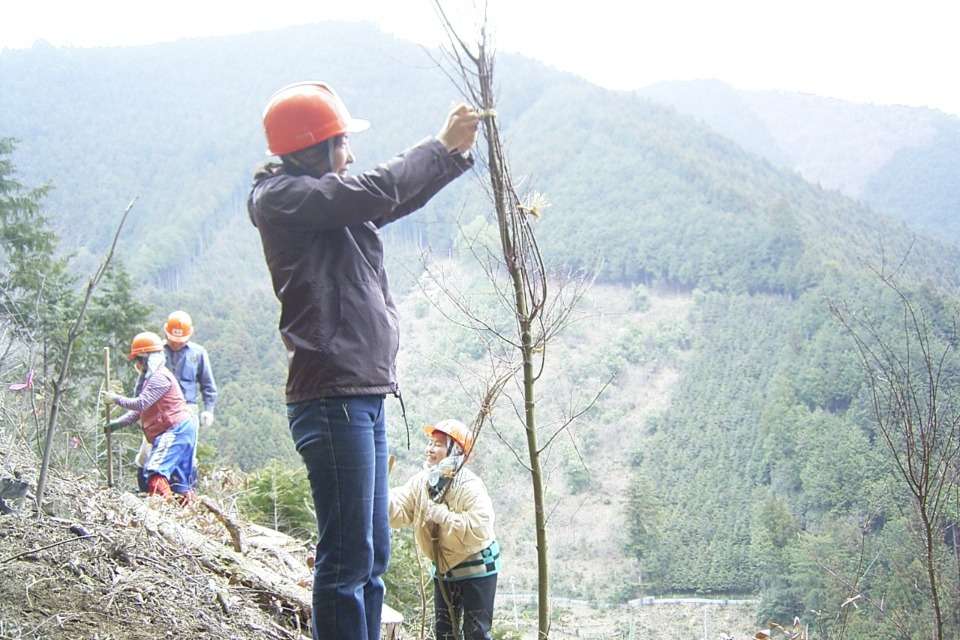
(864, 51)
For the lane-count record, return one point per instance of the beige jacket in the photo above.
(462, 524)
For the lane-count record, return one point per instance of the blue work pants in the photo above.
(343, 443)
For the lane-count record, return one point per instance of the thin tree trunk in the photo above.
(472, 71)
(55, 402)
(906, 394)
(956, 558)
(931, 571)
(63, 374)
(536, 476)
(515, 266)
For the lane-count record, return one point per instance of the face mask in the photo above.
(440, 475)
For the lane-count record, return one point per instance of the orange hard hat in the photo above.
(178, 327)
(455, 429)
(146, 342)
(304, 114)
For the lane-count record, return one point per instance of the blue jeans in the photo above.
(343, 443)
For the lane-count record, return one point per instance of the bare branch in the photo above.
(72, 335)
(576, 415)
(919, 427)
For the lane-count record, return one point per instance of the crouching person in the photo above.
(452, 515)
(167, 424)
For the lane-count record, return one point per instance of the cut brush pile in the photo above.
(103, 564)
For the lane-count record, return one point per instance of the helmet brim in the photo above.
(356, 125)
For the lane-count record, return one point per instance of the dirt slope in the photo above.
(121, 566)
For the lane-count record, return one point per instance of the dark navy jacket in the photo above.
(322, 245)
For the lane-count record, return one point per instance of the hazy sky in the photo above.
(866, 51)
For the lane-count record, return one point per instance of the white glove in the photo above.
(206, 418)
(110, 396)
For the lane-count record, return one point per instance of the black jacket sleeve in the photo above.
(382, 195)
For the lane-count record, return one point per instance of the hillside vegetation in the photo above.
(733, 450)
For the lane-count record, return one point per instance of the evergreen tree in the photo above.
(40, 301)
(38, 291)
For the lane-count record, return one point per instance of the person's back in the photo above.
(322, 245)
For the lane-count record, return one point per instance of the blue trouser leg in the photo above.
(172, 455)
(374, 589)
(343, 444)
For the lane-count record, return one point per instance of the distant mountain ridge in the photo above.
(900, 160)
(178, 124)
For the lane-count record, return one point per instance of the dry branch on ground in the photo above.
(103, 564)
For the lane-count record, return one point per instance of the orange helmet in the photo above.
(178, 327)
(304, 114)
(146, 342)
(455, 429)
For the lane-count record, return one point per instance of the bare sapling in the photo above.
(517, 271)
(911, 376)
(63, 369)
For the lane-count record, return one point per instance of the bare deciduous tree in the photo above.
(521, 283)
(912, 378)
(63, 370)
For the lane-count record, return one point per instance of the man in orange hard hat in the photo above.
(319, 227)
(190, 364)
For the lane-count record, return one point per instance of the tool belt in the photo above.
(481, 564)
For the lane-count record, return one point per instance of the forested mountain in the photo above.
(900, 160)
(735, 439)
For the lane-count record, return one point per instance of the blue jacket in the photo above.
(191, 366)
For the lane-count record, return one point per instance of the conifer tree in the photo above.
(40, 301)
